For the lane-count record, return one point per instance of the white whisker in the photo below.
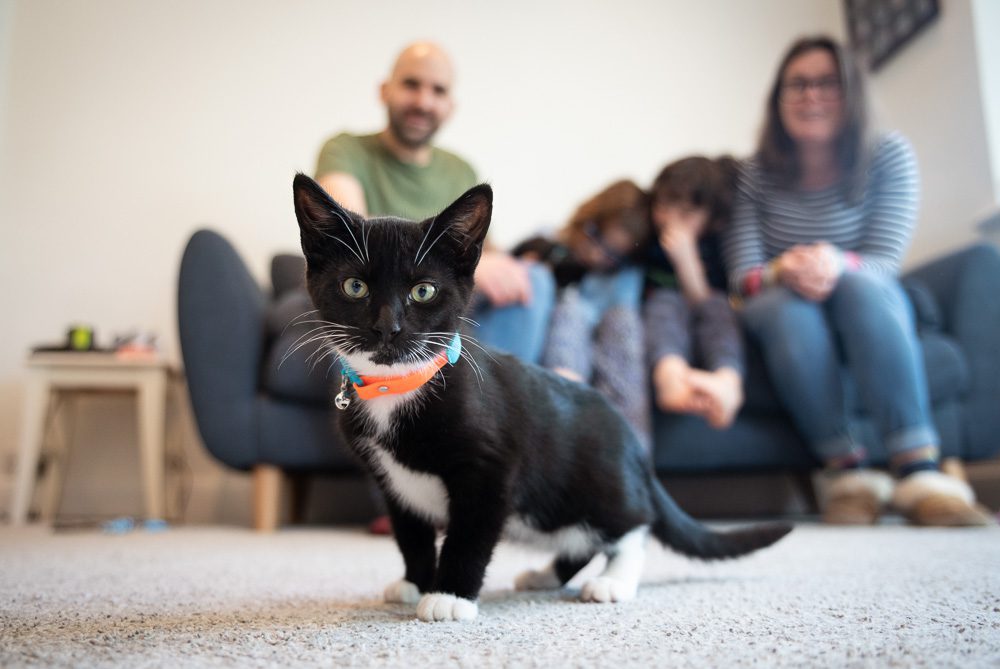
(350, 232)
(327, 333)
(421, 259)
(346, 245)
(314, 333)
(295, 321)
(326, 345)
(426, 235)
(365, 228)
(475, 368)
(446, 338)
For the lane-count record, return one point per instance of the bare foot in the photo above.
(674, 392)
(723, 391)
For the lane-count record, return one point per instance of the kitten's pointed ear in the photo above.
(319, 215)
(467, 221)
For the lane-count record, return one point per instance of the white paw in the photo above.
(402, 592)
(439, 606)
(605, 589)
(532, 579)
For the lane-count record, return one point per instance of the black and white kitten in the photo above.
(489, 447)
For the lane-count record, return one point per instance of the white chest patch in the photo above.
(422, 493)
(576, 541)
(381, 410)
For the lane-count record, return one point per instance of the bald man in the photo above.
(399, 172)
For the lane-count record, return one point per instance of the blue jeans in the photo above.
(601, 292)
(596, 332)
(578, 313)
(519, 329)
(863, 334)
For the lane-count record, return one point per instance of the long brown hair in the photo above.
(622, 204)
(776, 149)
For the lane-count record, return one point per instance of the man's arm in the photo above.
(502, 278)
(346, 190)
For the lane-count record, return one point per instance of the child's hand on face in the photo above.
(679, 225)
(676, 239)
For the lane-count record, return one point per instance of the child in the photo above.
(687, 315)
(595, 333)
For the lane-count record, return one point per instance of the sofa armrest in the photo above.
(288, 273)
(220, 315)
(965, 285)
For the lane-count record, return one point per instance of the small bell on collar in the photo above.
(342, 401)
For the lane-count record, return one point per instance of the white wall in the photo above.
(986, 20)
(127, 125)
(931, 92)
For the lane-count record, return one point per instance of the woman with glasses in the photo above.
(595, 331)
(823, 214)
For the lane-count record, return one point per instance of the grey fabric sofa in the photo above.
(259, 407)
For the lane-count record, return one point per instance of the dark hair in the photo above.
(776, 149)
(622, 204)
(701, 182)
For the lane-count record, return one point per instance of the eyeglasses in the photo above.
(592, 232)
(828, 89)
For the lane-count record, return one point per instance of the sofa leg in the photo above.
(267, 480)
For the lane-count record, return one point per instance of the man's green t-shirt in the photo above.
(392, 187)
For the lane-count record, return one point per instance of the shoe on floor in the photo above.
(855, 497)
(935, 499)
(381, 526)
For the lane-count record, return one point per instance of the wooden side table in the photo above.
(52, 373)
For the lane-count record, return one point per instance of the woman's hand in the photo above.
(812, 270)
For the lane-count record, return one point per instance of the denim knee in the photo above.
(543, 287)
(870, 302)
(781, 320)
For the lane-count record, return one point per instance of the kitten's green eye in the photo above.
(355, 288)
(423, 292)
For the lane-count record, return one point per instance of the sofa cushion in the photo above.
(757, 388)
(947, 368)
(295, 369)
(288, 273)
(925, 309)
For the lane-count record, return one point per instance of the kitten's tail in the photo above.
(677, 530)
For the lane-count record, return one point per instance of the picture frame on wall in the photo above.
(878, 29)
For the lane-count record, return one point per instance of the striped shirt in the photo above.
(768, 218)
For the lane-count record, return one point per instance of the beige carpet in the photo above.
(191, 597)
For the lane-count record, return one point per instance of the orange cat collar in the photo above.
(380, 386)
(370, 387)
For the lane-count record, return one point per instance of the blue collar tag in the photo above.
(454, 350)
(352, 376)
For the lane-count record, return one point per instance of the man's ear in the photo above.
(324, 225)
(465, 222)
